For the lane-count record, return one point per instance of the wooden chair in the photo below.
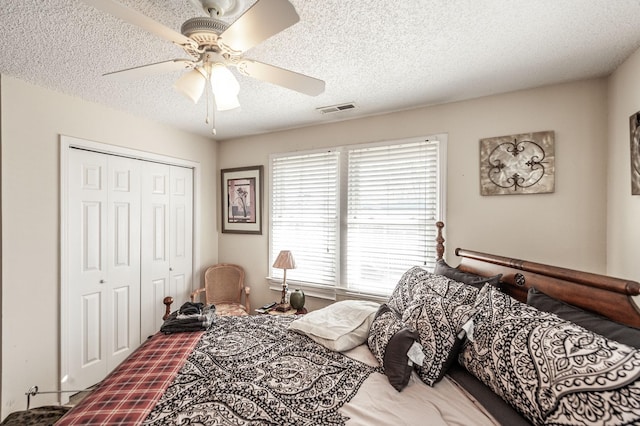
(224, 288)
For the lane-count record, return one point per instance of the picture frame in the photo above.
(241, 203)
(634, 130)
(518, 164)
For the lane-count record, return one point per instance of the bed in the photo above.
(458, 345)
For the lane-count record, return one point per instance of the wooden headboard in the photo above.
(602, 294)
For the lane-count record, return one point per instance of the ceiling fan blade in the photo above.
(150, 69)
(285, 78)
(136, 18)
(261, 21)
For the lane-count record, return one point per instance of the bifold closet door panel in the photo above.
(103, 264)
(181, 234)
(167, 241)
(154, 246)
(123, 256)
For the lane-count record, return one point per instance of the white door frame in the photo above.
(67, 142)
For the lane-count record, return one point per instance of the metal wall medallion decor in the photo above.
(517, 164)
(634, 126)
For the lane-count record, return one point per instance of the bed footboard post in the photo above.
(167, 303)
(439, 241)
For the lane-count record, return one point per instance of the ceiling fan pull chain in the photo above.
(213, 121)
(211, 109)
(206, 119)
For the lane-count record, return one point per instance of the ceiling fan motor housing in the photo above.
(193, 27)
(204, 31)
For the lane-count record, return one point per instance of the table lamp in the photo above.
(284, 261)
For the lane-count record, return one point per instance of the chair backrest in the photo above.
(224, 283)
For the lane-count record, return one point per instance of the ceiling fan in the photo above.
(214, 46)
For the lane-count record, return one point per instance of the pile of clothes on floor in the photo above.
(190, 317)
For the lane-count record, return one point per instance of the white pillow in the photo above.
(340, 326)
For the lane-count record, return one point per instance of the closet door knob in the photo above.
(102, 281)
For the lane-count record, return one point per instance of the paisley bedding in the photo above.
(258, 370)
(251, 370)
(551, 370)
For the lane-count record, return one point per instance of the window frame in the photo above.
(340, 290)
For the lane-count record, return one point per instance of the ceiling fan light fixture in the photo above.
(191, 85)
(225, 87)
(226, 103)
(223, 80)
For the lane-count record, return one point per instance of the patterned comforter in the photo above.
(251, 370)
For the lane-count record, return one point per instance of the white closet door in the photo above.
(87, 268)
(167, 241)
(154, 246)
(123, 257)
(104, 268)
(181, 234)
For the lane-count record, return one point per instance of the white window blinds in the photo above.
(304, 215)
(357, 217)
(391, 210)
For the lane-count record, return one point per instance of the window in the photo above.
(304, 215)
(357, 217)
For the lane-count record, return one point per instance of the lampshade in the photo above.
(225, 103)
(285, 261)
(225, 87)
(191, 85)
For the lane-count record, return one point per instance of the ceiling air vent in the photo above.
(336, 108)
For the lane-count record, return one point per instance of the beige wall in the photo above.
(32, 121)
(623, 220)
(566, 227)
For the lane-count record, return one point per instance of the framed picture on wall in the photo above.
(518, 164)
(634, 127)
(242, 200)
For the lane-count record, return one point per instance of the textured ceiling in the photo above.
(382, 55)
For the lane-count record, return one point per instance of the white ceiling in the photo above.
(382, 55)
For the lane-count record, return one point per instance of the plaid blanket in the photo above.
(128, 394)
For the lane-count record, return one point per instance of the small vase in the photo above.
(297, 299)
